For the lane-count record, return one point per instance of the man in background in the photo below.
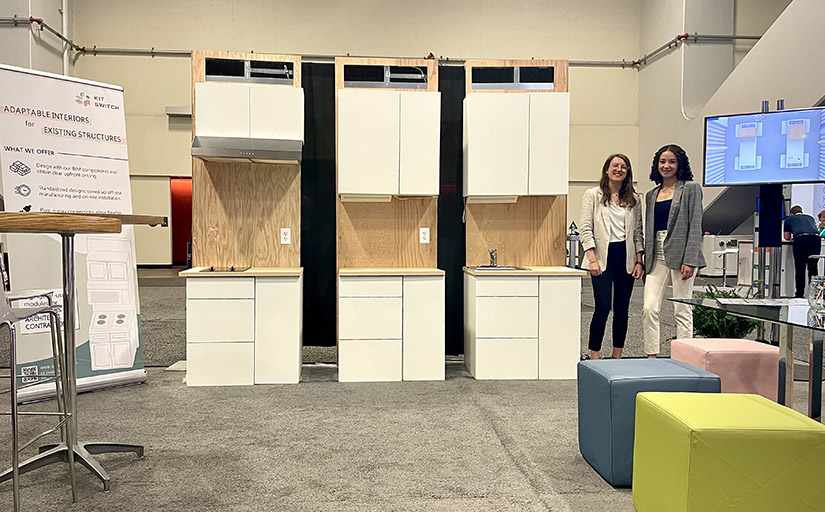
(802, 229)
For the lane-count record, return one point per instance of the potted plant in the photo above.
(711, 323)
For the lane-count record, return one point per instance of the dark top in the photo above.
(801, 224)
(660, 215)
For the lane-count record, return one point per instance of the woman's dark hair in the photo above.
(627, 196)
(683, 172)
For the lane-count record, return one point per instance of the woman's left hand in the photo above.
(638, 272)
(687, 272)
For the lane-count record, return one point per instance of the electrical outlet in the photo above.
(424, 235)
(286, 236)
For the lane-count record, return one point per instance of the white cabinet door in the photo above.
(220, 320)
(497, 138)
(221, 110)
(559, 326)
(369, 360)
(368, 148)
(507, 286)
(370, 286)
(369, 318)
(220, 364)
(220, 288)
(278, 330)
(276, 112)
(549, 143)
(506, 359)
(420, 149)
(423, 328)
(507, 317)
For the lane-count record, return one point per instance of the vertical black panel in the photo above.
(770, 215)
(451, 238)
(318, 204)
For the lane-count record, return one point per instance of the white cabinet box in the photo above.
(243, 330)
(522, 326)
(390, 328)
(249, 111)
(516, 144)
(388, 143)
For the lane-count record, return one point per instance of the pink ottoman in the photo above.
(744, 366)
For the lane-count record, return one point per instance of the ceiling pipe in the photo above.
(623, 64)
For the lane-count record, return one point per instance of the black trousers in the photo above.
(617, 282)
(804, 246)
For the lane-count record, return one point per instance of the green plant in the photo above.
(711, 323)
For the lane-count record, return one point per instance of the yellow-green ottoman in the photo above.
(700, 452)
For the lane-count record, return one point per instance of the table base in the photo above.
(83, 453)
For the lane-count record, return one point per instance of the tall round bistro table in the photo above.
(67, 225)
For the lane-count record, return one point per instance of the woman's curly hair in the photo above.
(683, 171)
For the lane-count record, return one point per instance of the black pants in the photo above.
(804, 246)
(616, 281)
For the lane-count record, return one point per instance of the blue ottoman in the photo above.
(607, 406)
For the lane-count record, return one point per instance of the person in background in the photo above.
(821, 217)
(802, 229)
(673, 242)
(611, 236)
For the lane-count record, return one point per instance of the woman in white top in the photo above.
(611, 235)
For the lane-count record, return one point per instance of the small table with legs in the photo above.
(67, 226)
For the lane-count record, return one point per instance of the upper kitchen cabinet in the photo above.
(249, 110)
(389, 138)
(516, 130)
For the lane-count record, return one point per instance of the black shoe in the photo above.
(585, 357)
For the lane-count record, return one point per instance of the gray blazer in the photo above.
(595, 233)
(683, 245)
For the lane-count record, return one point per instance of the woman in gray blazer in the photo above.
(673, 242)
(611, 235)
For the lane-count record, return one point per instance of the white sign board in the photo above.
(63, 149)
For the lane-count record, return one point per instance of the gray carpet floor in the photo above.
(459, 444)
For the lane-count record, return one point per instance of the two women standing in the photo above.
(671, 251)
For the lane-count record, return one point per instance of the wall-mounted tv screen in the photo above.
(786, 146)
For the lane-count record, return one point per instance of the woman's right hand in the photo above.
(595, 268)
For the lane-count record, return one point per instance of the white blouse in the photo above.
(618, 233)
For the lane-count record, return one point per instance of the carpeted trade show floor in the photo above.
(459, 444)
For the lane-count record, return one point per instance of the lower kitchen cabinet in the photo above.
(390, 325)
(522, 324)
(243, 328)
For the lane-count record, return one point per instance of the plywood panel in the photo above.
(559, 73)
(531, 231)
(386, 234)
(238, 210)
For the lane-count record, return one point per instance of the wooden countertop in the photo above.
(390, 271)
(528, 271)
(251, 272)
(61, 223)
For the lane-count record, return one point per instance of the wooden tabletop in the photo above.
(149, 220)
(62, 223)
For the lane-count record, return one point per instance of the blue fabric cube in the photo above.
(607, 406)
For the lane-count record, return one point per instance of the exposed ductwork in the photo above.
(637, 63)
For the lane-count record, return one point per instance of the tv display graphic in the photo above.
(787, 146)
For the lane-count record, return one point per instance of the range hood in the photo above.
(245, 149)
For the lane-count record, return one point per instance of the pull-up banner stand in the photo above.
(63, 149)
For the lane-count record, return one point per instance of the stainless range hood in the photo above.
(245, 149)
